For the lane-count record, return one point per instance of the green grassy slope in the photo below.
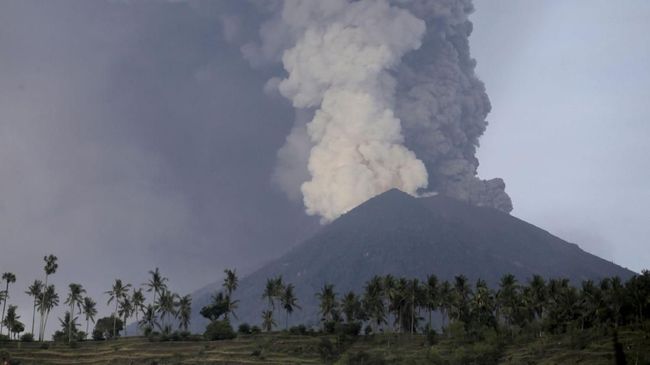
(278, 348)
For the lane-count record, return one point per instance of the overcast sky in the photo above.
(134, 135)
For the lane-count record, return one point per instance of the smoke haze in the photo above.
(388, 93)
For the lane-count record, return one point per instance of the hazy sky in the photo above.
(134, 135)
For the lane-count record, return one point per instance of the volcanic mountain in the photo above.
(395, 233)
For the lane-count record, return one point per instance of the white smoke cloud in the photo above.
(340, 66)
(384, 81)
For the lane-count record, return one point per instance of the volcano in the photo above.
(395, 233)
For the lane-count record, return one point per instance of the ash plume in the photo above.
(386, 97)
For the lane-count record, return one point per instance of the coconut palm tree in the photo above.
(35, 290)
(432, 296)
(74, 298)
(125, 311)
(289, 302)
(117, 293)
(351, 306)
(11, 320)
(137, 301)
(184, 312)
(9, 278)
(156, 284)
(49, 300)
(328, 304)
(148, 320)
(50, 268)
(89, 309)
(269, 293)
(446, 301)
(507, 298)
(230, 282)
(373, 301)
(267, 320)
(166, 306)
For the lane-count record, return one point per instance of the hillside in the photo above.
(397, 234)
(592, 347)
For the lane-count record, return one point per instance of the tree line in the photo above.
(386, 304)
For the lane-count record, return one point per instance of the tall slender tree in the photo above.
(328, 304)
(156, 284)
(184, 312)
(50, 268)
(289, 302)
(125, 311)
(116, 294)
(137, 301)
(49, 300)
(267, 320)
(35, 290)
(230, 281)
(74, 299)
(166, 306)
(89, 309)
(9, 278)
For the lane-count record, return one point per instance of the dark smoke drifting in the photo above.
(386, 96)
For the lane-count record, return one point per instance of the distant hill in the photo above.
(395, 233)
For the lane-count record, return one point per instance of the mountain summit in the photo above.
(395, 233)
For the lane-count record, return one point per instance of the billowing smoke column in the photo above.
(386, 91)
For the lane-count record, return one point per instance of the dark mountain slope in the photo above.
(397, 234)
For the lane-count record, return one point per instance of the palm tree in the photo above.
(432, 295)
(35, 290)
(89, 309)
(507, 298)
(156, 284)
(185, 312)
(446, 300)
(328, 304)
(49, 300)
(289, 302)
(11, 320)
(148, 318)
(166, 306)
(230, 282)
(74, 297)
(68, 323)
(351, 306)
(9, 278)
(117, 292)
(267, 320)
(137, 301)
(49, 268)
(125, 311)
(269, 292)
(373, 301)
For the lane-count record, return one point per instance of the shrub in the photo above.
(219, 330)
(255, 330)
(364, 358)
(298, 330)
(4, 338)
(98, 335)
(432, 337)
(27, 337)
(244, 329)
(327, 350)
(350, 329)
(368, 330)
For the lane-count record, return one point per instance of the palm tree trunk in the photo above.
(41, 323)
(87, 324)
(4, 304)
(47, 314)
(33, 315)
(115, 320)
(70, 322)
(286, 327)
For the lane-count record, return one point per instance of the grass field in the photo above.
(281, 348)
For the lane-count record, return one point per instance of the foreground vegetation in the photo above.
(390, 321)
(593, 347)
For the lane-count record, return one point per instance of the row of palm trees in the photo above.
(280, 295)
(554, 306)
(164, 308)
